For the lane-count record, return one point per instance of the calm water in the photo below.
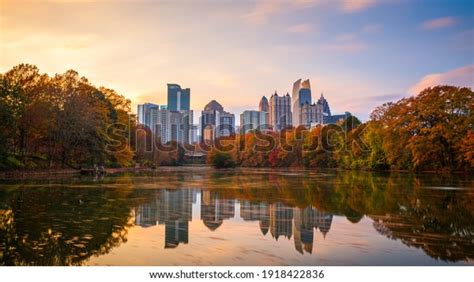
(193, 216)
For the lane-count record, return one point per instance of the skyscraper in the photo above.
(174, 126)
(215, 122)
(328, 117)
(145, 113)
(263, 106)
(165, 124)
(324, 103)
(301, 95)
(311, 115)
(251, 120)
(178, 99)
(280, 111)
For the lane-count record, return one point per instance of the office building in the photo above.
(145, 114)
(311, 115)
(166, 125)
(178, 99)
(215, 122)
(324, 103)
(301, 95)
(252, 120)
(280, 112)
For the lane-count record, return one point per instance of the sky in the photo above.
(359, 53)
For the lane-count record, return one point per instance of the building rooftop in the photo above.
(214, 106)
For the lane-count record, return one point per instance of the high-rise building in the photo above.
(145, 113)
(301, 96)
(263, 106)
(215, 122)
(280, 112)
(328, 117)
(166, 124)
(174, 126)
(194, 134)
(251, 120)
(324, 103)
(311, 115)
(178, 99)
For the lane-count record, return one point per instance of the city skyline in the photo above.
(370, 57)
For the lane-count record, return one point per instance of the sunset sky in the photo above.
(359, 53)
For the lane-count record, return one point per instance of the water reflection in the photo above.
(171, 208)
(68, 222)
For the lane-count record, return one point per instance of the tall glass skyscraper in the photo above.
(178, 99)
(301, 95)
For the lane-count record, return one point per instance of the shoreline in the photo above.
(41, 173)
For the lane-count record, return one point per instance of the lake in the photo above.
(201, 216)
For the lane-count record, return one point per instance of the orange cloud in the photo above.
(438, 23)
(263, 9)
(462, 77)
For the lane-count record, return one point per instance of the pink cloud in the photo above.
(438, 23)
(351, 6)
(462, 77)
(300, 28)
(263, 9)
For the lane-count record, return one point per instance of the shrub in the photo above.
(222, 160)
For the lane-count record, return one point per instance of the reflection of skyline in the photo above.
(215, 209)
(173, 208)
(287, 221)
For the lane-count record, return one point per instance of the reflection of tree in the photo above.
(403, 206)
(436, 223)
(62, 226)
(65, 226)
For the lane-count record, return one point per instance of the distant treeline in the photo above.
(65, 121)
(430, 131)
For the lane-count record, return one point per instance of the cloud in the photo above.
(300, 28)
(352, 6)
(438, 23)
(263, 9)
(462, 77)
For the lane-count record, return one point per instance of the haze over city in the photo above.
(360, 54)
